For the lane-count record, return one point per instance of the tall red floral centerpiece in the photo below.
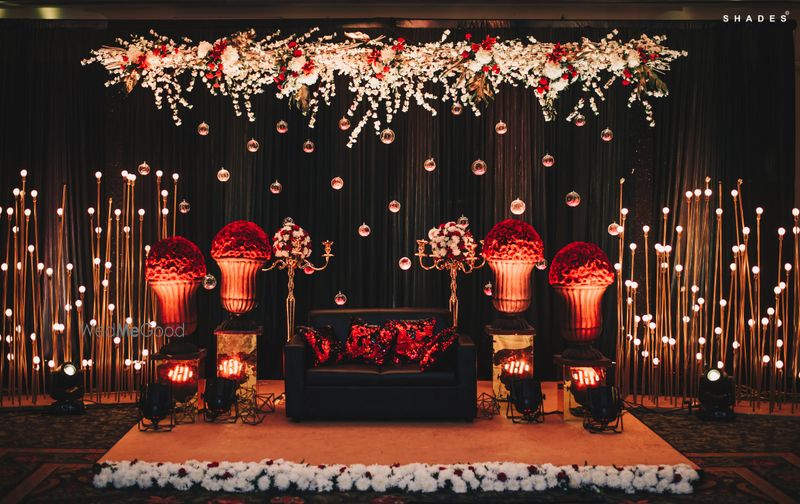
(512, 249)
(240, 249)
(580, 274)
(173, 269)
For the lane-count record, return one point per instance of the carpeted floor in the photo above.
(49, 459)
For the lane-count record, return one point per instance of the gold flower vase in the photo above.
(511, 293)
(580, 318)
(177, 309)
(238, 284)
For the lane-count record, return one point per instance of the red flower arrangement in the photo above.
(174, 258)
(581, 264)
(241, 239)
(513, 240)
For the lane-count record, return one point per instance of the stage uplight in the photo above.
(717, 396)
(604, 412)
(220, 400)
(526, 401)
(67, 389)
(156, 405)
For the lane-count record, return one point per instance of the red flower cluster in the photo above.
(581, 263)
(214, 64)
(241, 239)
(487, 45)
(374, 59)
(513, 240)
(174, 258)
(294, 52)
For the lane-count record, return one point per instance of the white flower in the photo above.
(264, 483)
(558, 84)
(229, 56)
(616, 63)
(387, 54)
(133, 53)
(553, 70)
(633, 59)
(482, 56)
(203, 48)
(296, 64)
(309, 78)
(153, 60)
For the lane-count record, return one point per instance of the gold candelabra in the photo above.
(466, 264)
(295, 261)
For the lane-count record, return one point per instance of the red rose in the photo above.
(174, 258)
(242, 239)
(513, 240)
(581, 263)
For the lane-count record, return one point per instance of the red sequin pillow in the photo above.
(368, 343)
(437, 346)
(411, 336)
(326, 347)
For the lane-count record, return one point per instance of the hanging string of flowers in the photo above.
(386, 75)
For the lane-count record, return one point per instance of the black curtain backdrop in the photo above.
(729, 115)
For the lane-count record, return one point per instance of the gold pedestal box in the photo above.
(512, 356)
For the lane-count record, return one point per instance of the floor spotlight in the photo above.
(156, 408)
(604, 411)
(219, 399)
(717, 396)
(525, 401)
(66, 388)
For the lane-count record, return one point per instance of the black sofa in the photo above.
(447, 391)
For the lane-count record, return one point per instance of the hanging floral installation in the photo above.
(386, 75)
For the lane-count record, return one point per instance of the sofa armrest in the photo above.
(294, 370)
(467, 374)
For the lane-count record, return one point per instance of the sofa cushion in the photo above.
(367, 343)
(410, 337)
(344, 374)
(325, 346)
(340, 319)
(410, 374)
(436, 350)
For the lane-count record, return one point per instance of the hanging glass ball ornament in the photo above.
(518, 207)
(394, 206)
(501, 128)
(308, 270)
(308, 146)
(223, 175)
(275, 187)
(344, 124)
(580, 120)
(281, 126)
(456, 109)
(404, 263)
(337, 183)
(364, 230)
(572, 199)
(209, 282)
(340, 298)
(387, 136)
(614, 229)
(429, 164)
(607, 135)
(253, 145)
(144, 168)
(548, 161)
(487, 289)
(479, 167)
(202, 129)
(184, 206)
(542, 265)
(462, 221)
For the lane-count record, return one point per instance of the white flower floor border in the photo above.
(281, 475)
